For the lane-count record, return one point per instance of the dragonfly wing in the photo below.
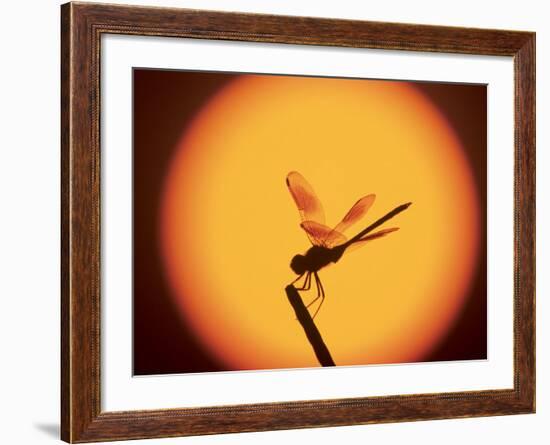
(306, 200)
(357, 211)
(334, 238)
(321, 235)
(361, 242)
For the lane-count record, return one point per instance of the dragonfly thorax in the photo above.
(315, 259)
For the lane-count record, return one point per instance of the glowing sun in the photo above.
(229, 226)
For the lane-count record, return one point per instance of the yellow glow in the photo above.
(230, 227)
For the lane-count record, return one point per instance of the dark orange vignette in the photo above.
(227, 226)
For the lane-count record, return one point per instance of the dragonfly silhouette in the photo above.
(329, 244)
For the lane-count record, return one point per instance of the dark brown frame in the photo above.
(82, 25)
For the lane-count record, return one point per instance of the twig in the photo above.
(312, 333)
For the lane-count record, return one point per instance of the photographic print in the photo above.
(285, 221)
(274, 222)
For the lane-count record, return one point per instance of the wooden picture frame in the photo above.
(82, 25)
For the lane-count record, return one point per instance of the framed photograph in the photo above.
(274, 222)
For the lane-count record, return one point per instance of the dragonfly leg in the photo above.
(320, 285)
(318, 294)
(307, 285)
(307, 282)
(297, 279)
(313, 301)
(317, 297)
(321, 293)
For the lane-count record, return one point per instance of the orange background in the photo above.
(227, 226)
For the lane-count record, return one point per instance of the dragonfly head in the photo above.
(298, 264)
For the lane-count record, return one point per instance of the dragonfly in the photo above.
(329, 244)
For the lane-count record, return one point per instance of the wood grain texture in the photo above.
(82, 26)
(65, 229)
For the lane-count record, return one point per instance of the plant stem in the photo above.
(312, 333)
